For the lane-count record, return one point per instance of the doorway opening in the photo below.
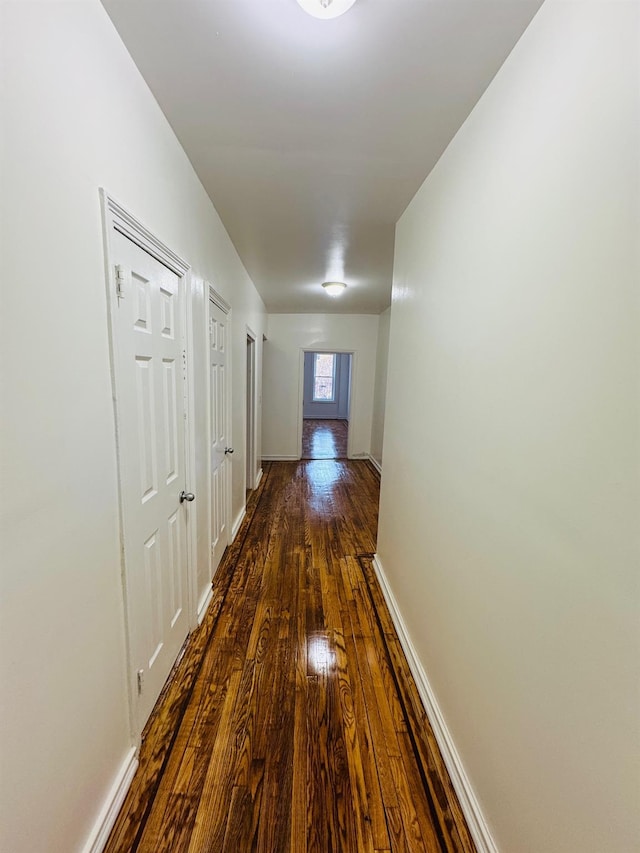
(250, 450)
(326, 405)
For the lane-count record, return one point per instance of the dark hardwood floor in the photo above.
(324, 438)
(291, 722)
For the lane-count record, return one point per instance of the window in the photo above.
(324, 374)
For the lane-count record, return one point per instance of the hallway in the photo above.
(291, 723)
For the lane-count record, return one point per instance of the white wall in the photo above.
(511, 497)
(76, 116)
(380, 388)
(288, 335)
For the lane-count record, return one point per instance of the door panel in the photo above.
(220, 440)
(148, 351)
(250, 448)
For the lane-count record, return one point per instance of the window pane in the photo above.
(323, 388)
(323, 376)
(324, 364)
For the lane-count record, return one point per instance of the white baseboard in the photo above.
(238, 522)
(205, 601)
(99, 835)
(468, 801)
(276, 458)
(258, 478)
(375, 464)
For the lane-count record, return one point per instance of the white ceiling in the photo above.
(311, 136)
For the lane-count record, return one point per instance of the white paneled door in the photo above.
(220, 432)
(149, 362)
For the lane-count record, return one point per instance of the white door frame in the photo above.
(116, 218)
(251, 466)
(352, 394)
(212, 295)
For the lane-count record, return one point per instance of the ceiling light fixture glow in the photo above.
(326, 9)
(334, 288)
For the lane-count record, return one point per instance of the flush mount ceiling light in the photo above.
(326, 8)
(334, 288)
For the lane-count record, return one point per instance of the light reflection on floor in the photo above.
(322, 475)
(323, 444)
(324, 438)
(321, 658)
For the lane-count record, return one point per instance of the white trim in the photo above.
(206, 316)
(220, 301)
(237, 523)
(250, 399)
(106, 209)
(205, 601)
(277, 458)
(468, 801)
(258, 478)
(106, 819)
(375, 463)
(127, 224)
(191, 468)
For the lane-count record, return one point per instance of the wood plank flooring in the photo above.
(291, 722)
(324, 438)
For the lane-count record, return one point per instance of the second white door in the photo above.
(221, 450)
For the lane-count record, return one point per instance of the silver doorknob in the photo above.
(228, 450)
(187, 496)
